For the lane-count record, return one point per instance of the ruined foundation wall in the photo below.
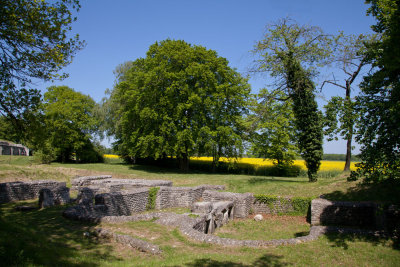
(168, 197)
(344, 213)
(123, 203)
(280, 205)
(15, 191)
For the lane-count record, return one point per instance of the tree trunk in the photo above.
(350, 135)
(184, 162)
(348, 154)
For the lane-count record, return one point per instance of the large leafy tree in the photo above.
(180, 100)
(379, 101)
(272, 128)
(70, 124)
(341, 113)
(290, 54)
(34, 44)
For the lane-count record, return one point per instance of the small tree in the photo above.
(350, 57)
(272, 128)
(181, 100)
(289, 53)
(70, 124)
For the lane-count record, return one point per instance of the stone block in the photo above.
(46, 198)
(242, 202)
(202, 207)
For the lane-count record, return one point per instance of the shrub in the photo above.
(151, 204)
(300, 205)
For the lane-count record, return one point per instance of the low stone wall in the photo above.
(193, 228)
(344, 213)
(16, 191)
(280, 205)
(168, 197)
(138, 244)
(242, 202)
(87, 180)
(124, 202)
(55, 196)
(107, 183)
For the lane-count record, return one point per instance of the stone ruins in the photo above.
(7, 148)
(105, 199)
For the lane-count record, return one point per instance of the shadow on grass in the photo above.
(385, 191)
(343, 240)
(43, 237)
(266, 260)
(259, 180)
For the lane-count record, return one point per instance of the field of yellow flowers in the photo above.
(326, 165)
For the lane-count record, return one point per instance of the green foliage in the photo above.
(379, 101)
(341, 114)
(300, 205)
(272, 129)
(152, 198)
(70, 124)
(45, 154)
(34, 45)
(290, 54)
(309, 130)
(180, 100)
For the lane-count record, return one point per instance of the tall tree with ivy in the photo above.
(290, 53)
(180, 100)
(379, 101)
(34, 44)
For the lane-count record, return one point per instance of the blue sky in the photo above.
(121, 30)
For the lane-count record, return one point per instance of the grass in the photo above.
(271, 227)
(45, 238)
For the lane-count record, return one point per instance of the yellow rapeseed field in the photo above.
(326, 165)
(109, 156)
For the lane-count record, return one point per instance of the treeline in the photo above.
(183, 100)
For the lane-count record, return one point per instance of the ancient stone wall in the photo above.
(242, 202)
(106, 182)
(55, 196)
(15, 191)
(168, 197)
(344, 213)
(280, 205)
(7, 148)
(124, 202)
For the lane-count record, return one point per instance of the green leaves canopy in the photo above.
(33, 45)
(181, 100)
(379, 101)
(70, 123)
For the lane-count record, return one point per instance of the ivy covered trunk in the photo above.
(308, 119)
